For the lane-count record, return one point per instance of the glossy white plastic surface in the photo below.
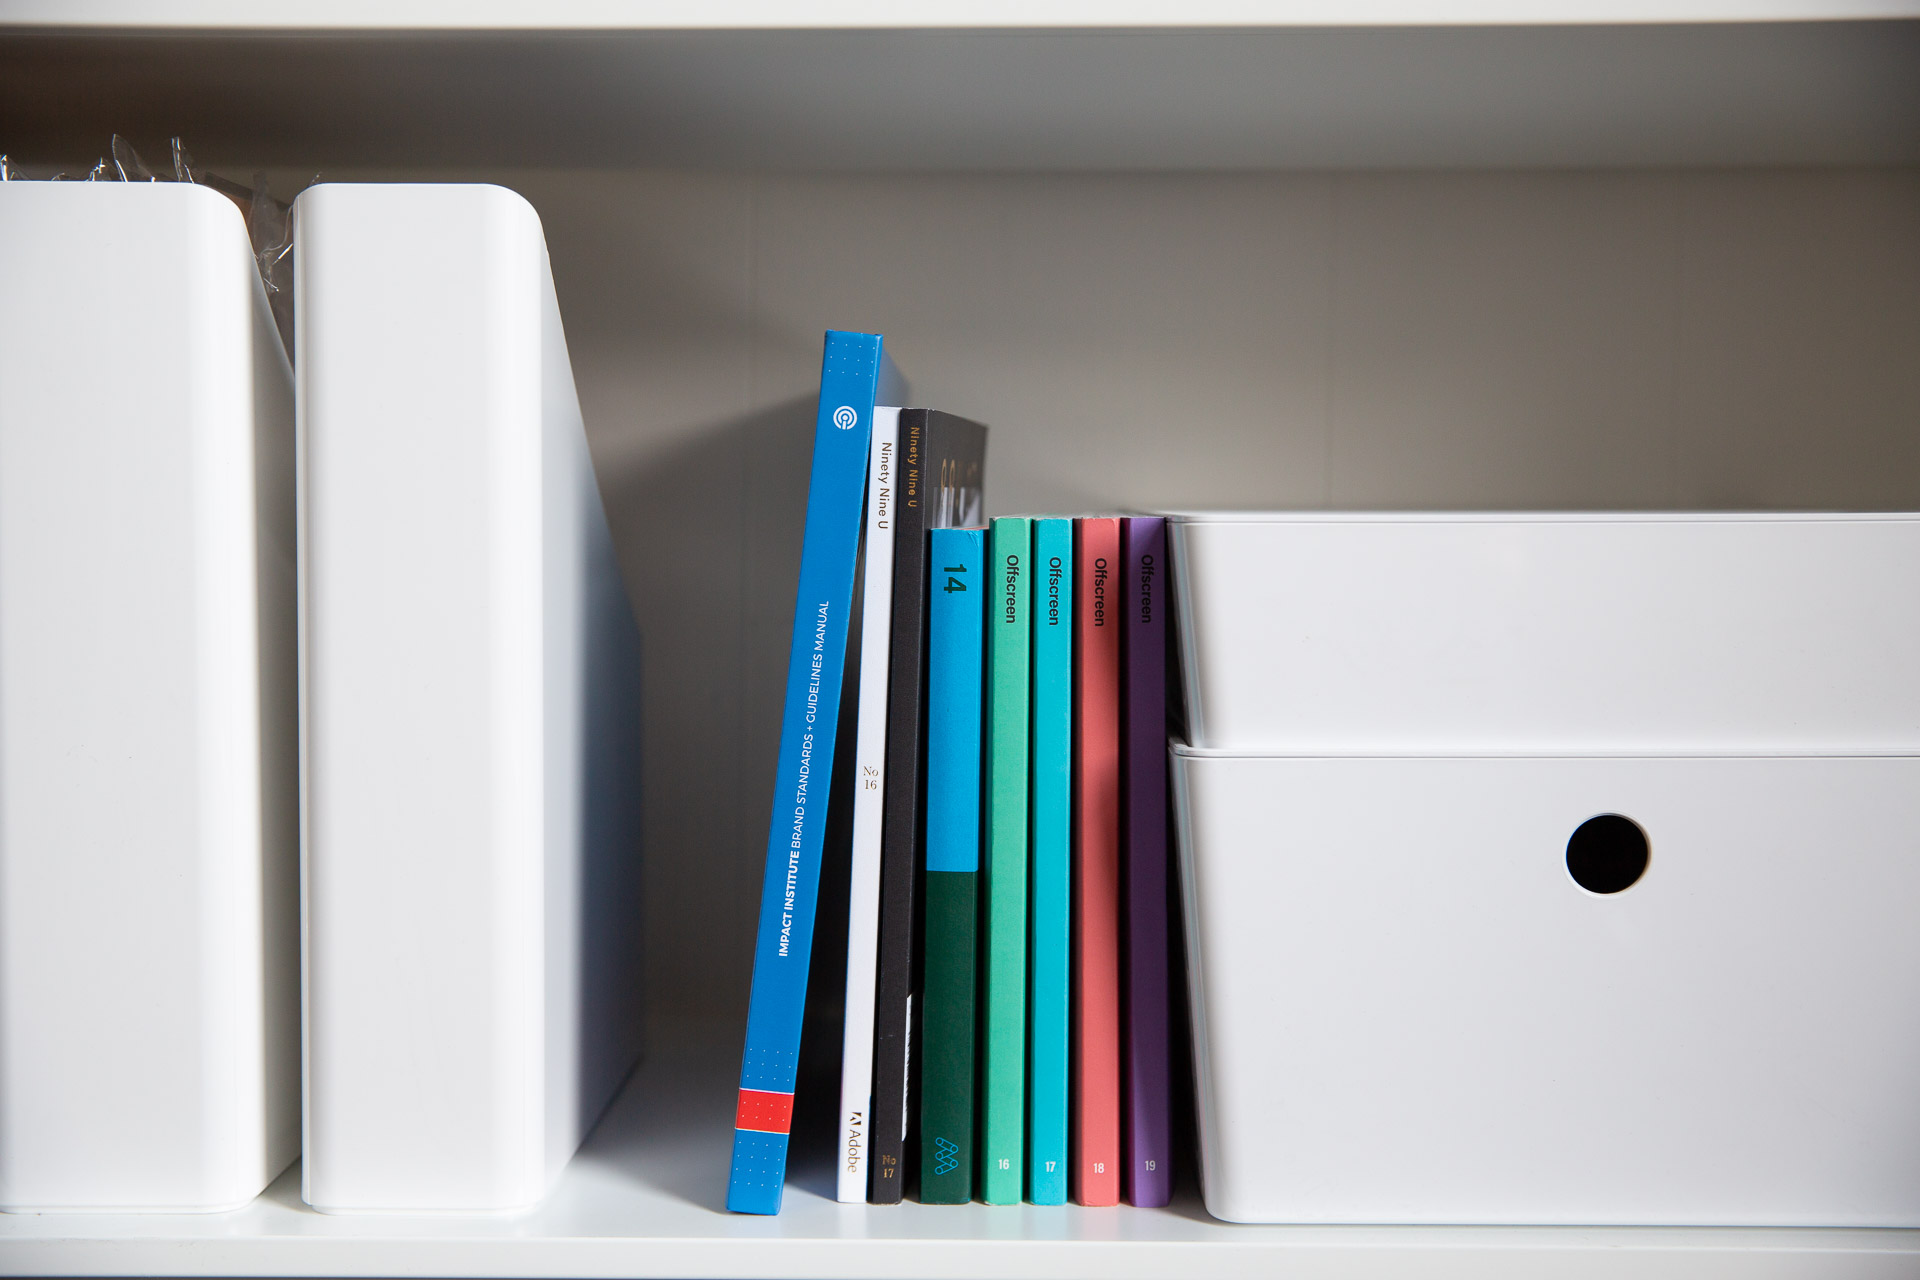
(1406, 1010)
(1328, 633)
(148, 767)
(470, 688)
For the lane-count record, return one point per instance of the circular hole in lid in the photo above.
(1607, 854)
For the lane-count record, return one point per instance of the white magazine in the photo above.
(869, 795)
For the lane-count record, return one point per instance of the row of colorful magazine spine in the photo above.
(1006, 1030)
(1046, 891)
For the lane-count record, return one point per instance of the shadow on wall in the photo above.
(612, 1011)
(709, 533)
(708, 536)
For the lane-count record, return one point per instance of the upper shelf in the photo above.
(634, 15)
(317, 87)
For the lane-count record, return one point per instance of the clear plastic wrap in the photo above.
(269, 223)
(126, 161)
(270, 230)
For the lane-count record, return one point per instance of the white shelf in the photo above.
(1689, 337)
(630, 15)
(643, 1198)
(1118, 91)
(1456, 340)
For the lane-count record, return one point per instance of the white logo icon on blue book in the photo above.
(844, 417)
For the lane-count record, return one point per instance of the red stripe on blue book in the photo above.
(764, 1112)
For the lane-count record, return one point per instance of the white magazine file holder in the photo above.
(470, 692)
(1405, 1007)
(148, 770)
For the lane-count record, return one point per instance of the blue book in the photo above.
(853, 371)
(956, 642)
(1051, 818)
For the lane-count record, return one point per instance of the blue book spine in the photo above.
(956, 660)
(956, 645)
(1051, 818)
(849, 376)
(957, 663)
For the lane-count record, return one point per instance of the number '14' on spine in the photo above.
(955, 622)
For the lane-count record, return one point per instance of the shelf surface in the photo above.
(559, 15)
(644, 1196)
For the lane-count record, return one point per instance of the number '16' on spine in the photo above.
(1004, 1025)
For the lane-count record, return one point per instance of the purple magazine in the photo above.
(1144, 785)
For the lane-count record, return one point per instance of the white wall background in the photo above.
(1505, 339)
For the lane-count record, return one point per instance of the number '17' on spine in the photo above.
(1050, 854)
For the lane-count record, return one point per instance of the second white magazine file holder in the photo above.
(470, 689)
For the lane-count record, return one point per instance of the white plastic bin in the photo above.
(1407, 1008)
(148, 770)
(470, 695)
